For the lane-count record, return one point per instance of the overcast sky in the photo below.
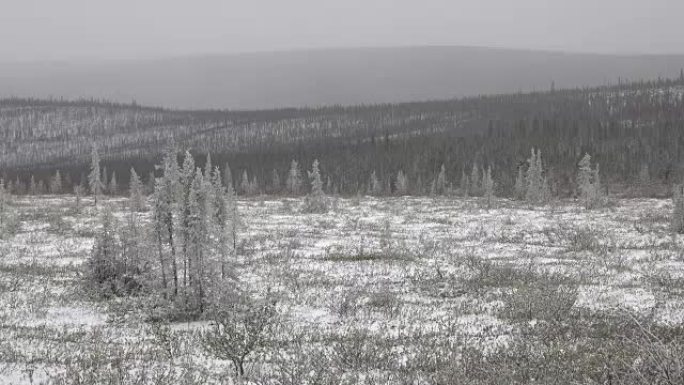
(122, 29)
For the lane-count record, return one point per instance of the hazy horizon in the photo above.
(74, 30)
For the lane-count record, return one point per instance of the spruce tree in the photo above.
(441, 183)
(113, 185)
(519, 188)
(465, 186)
(275, 182)
(293, 181)
(488, 186)
(56, 183)
(374, 184)
(401, 184)
(3, 204)
(677, 220)
(316, 201)
(254, 186)
(644, 178)
(135, 192)
(33, 186)
(536, 185)
(227, 176)
(589, 183)
(78, 191)
(475, 185)
(245, 187)
(94, 178)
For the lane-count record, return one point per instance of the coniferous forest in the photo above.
(634, 131)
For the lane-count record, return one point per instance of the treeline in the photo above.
(634, 131)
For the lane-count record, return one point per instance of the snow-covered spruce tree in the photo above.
(108, 268)
(644, 177)
(294, 179)
(78, 191)
(113, 188)
(208, 168)
(233, 216)
(41, 188)
(245, 187)
(222, 218)
(227, 176)
(475, 181)
(196, 244)
(488, 187)
(187, 175)
(4, 198)
(275, 182)
(135, 192)
(589, 183)
(195, 214)
(598, 188)
(536, 185)
(33, 186)
(401, 184)
(465, 186)
(519, 187)
(167, 194)
(374, 185)
(677, 220)
(316, 201)
(584, 176)
(56, 183)
(329, 187)
(94, 177)
(254, 186)
(441, 183)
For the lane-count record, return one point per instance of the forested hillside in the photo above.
(634, 131)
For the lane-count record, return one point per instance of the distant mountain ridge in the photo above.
(328, 77)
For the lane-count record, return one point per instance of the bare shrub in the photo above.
(239, 331)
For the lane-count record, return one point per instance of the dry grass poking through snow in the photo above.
(377, 291)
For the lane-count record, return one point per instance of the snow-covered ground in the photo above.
(397, 269)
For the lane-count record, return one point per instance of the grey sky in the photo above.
(108, 29)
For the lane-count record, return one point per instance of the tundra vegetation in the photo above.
(203, 287)
(384, 249)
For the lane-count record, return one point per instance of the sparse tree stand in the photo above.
(192, 222)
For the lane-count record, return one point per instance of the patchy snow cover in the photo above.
(396, 267)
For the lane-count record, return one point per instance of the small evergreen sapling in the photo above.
(316, 201)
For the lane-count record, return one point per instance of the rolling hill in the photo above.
(327, 77)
